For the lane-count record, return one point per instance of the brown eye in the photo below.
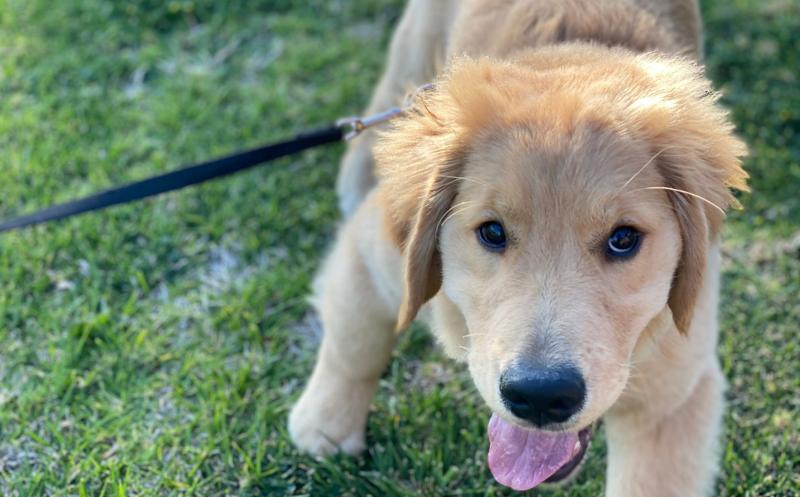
(492, 236)
(623, 242)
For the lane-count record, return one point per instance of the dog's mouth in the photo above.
(522, 459)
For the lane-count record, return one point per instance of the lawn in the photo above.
(155, 349)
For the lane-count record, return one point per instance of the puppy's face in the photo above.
(557, 204)
(557, 254)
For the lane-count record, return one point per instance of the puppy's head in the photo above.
(560, 202)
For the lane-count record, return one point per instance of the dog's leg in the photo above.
(671, 455)
(417, 43)
(358, 324)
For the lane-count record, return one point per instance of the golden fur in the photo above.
(563, 119)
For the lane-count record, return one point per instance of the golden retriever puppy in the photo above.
(551, 208)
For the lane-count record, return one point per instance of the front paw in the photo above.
(322, 436)
(330, 417)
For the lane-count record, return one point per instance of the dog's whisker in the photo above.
(678, 190)
(472, 180)
(465, 178)
(451, 212)
(450, 181)
(447, 213)
(650, 161)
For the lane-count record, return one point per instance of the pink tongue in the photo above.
(522, 459)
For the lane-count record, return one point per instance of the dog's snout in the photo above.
(543, 395)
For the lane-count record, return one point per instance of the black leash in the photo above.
(184, 177)
(344, 129)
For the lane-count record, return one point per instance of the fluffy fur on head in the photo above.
(662, 100)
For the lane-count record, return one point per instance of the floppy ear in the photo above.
(699, 161)
(696, 234)
(697, 180)
(419, 161)
(423, 263)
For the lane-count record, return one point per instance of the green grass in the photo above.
(155, 349)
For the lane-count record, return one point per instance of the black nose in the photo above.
(543, 395)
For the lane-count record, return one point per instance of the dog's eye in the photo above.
(492, 236)
(623, 242)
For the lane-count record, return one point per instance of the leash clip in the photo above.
(355, 125)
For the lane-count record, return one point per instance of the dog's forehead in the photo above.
(524, 169)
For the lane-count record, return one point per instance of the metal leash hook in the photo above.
(356, 125)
